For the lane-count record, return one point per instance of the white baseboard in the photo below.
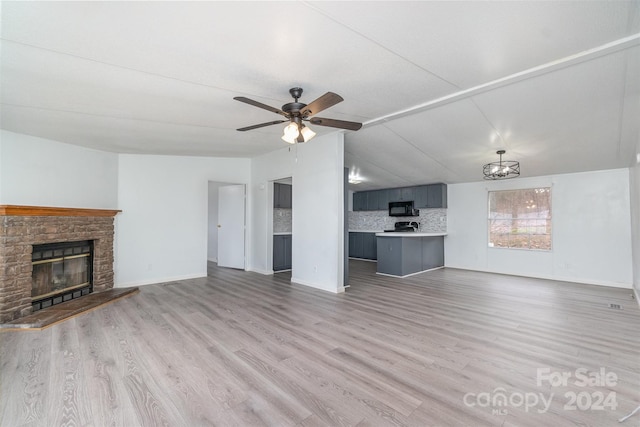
(159, 280)
(213, 260)
(318, 286)
(259, 271)
(409, 275)
(557, 279)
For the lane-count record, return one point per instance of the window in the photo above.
(520, 219)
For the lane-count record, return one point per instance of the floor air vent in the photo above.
(615, 306)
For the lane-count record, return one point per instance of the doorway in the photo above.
(282, 224)
(226, 224)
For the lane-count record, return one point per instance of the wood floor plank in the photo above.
(23, 383)
(70, 400)
(243, 349)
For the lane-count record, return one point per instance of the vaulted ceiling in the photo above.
(440, 86)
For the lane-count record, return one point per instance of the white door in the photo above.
(231, 213)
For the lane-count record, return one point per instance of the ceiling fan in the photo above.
(296, 113)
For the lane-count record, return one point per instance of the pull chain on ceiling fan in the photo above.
(297, 113)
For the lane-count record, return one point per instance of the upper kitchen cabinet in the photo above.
(431, 196)
(372, 200)
(395, 195)
(437, 196)
(383, 200)
(375, 200)
(407, 194)
(282, 196)
(360, 201)
(404, 194)
(424, 196)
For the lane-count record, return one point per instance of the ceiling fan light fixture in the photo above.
(307, 133)
(502, 169)
(289, 140)
(295, 112)
(291, 130)
(291, 133)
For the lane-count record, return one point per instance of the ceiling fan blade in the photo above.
(342, 124)
(260, 105)
(327, 100)
(261, 125)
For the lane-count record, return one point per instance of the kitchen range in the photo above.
(404, 226)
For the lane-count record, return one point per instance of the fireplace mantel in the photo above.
(17, 210)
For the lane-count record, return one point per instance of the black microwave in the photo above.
(402, 209)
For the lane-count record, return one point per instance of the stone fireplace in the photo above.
(85, 235)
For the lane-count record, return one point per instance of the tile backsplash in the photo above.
(282, 220)
(431, 220)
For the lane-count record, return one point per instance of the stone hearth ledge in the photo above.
(55, 314)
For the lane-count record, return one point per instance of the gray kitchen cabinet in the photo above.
(422, 196)
(372, 200)
(356, 249)
(282, 196)
(383, 200)
(402, 256)
(408, 194)
(404, 194)
(432, 252)
(437, 196)
(362, 245)
(431, 196)
(282, 252)
(360, 201)
(395, 195)
(399, 256)
(369, 248)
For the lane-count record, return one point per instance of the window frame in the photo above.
(547, 220)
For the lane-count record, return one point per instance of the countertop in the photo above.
(409, 234)
(366, 231)
(282, 233)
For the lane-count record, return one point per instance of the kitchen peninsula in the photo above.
(402, 254)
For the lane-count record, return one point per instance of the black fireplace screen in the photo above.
(61, 272)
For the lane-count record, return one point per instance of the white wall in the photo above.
(590, 230)
(634, 184)
(317, 172)
(161, 234)
(41, 172)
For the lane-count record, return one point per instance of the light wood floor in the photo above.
(244, 349)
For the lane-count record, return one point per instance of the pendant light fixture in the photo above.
(503, 169)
